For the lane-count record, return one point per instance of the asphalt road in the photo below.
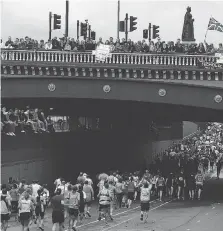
(204, 215)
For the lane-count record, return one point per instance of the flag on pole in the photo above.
(215, 25)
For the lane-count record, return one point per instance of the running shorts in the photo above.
(131, 196)
(73, 212)
(145, 206)
(199, 186)
(24, 217)
(104, 208)
(5, 217)
(160, 188)
(57, 217)
(39, 213)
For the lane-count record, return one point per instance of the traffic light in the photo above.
(145, 34)
(132, 23)
(83, 29)
(155, 31)
(122, 26)
(57, 21)
(93, 35)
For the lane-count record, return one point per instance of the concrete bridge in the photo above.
(171, 79)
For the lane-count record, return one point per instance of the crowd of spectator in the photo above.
(70, 44)
(24, 121)
(15, 121)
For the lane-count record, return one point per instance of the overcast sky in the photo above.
(22, 18)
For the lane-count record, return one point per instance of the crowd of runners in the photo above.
(180, 174)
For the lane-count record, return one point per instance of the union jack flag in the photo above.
(215, 25)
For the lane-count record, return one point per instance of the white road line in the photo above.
(198, 221)
(93, 222)
(111, 227)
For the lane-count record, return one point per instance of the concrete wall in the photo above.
(26, 156)
(40, 169)
(154, 148)
(42, 157)
(189, 127)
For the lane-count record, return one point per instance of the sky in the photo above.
(20, 18)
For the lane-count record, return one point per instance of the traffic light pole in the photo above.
(118, 19)
(126, 27)
(50, 24)
(150, 27)
(67, 18)
(78, 29)
(89, 32)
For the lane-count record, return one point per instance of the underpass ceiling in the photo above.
(118, 109)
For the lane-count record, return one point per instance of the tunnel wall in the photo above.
(39, 169)
(188, 128)
(47, 156)
(178, 131)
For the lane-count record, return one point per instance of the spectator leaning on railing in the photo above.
(48, 45)
(69, 44)
(220, 48)
(7, 123)
(2, 45)
(23, 120)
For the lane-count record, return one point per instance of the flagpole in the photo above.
(207, 30)
(206, 35)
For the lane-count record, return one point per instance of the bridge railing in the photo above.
(117, 58)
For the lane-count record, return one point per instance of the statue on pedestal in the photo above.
(188, 28)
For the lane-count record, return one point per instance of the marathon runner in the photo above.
(57, 203)
(105, 198)
(191, 183)
(145, 200)
(5, 209)
(73, 208)
(199, 184)
(160, 184)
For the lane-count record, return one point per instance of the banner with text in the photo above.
(102, 52)
(220, 57)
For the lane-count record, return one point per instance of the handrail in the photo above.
(123, 53)
(174, 59)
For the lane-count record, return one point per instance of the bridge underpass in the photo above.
(115, 109)
(129, 134)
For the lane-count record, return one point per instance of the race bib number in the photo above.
(200, 179)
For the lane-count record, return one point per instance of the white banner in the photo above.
(102, 52)
(220, 56)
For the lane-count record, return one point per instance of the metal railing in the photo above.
(53, 56)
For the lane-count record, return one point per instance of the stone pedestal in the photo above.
(188, 43)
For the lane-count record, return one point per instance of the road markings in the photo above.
(206, 214)
(117, 214)
(213, 207)
(198, 221)
(111, 227)
(188, 229)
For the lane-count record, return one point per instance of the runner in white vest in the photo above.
(145, 200)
